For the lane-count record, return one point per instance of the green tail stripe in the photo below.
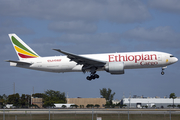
(17, 43)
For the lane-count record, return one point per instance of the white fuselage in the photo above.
(132, 60)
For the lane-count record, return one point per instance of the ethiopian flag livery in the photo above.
(22, 49)
(114, 63)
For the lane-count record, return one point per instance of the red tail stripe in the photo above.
(25, 56)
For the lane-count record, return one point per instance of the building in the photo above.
(37, 101)
(10, 106)
(149, 102)
(83, 102)
(60, 105)
(116, 101)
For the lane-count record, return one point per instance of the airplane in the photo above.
(114, 63)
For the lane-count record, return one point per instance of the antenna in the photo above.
(130, 95)
(130, 100)
(123, 95)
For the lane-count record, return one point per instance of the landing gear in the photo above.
(162, 73)
(93, 74)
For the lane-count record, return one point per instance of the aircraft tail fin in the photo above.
(22, 49)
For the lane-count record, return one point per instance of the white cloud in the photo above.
(172, 6)
(73, 27)
(76, 16)
(120, 11)
(139, 38)
(162, 36)
(127, 11)
(102, 38)
(9, 26)
(80, 43)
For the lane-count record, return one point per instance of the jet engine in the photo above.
(114, 67)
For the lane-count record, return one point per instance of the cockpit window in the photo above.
(171, 56)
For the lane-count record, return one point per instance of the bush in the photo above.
(89, 105)
(96, 105)
(173, 106)
(169, 106)
(178, 106)
(63, 106)
(34, 105)
(74, 106)
(154, 106)
(81, 106)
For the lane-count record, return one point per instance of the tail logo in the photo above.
(23, 51)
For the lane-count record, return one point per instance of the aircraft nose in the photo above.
(176, 59)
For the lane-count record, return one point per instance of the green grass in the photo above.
(89, 117)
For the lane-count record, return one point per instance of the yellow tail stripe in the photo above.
(23, 51)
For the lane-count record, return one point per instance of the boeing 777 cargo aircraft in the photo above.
(114, 63)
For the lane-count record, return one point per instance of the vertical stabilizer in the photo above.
(22, 49)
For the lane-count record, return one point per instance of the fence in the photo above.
(87, 114)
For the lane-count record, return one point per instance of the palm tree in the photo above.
(173, 96)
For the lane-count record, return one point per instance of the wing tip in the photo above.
(7, 60)
(57, 50)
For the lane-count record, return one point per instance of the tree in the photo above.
(28, 100)
(34, 105)
(173, 96)
(178, 106)
(124, 105)
(52, 97)
(96, 105)
(81, 106)
(154, 106)
(169, 106)
(146, 106)
(39, 95)
(1, 101)
(23, 100)
(89, 105)
(5, 97)
(107, 95)
(14, 99)
(72, 106)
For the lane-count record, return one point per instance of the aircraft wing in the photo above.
(83, 60)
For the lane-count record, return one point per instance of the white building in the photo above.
(9, 105)
(58, 105)
(149, 102)
(116, 101)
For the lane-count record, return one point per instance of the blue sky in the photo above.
(91, 26)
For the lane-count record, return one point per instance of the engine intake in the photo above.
(115, 67)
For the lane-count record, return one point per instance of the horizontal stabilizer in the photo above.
(18, 62)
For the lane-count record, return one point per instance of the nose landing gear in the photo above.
(163, 68)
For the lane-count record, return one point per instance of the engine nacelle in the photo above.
(115, 67)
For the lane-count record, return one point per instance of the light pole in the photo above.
(129, 107)
(129, 104)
